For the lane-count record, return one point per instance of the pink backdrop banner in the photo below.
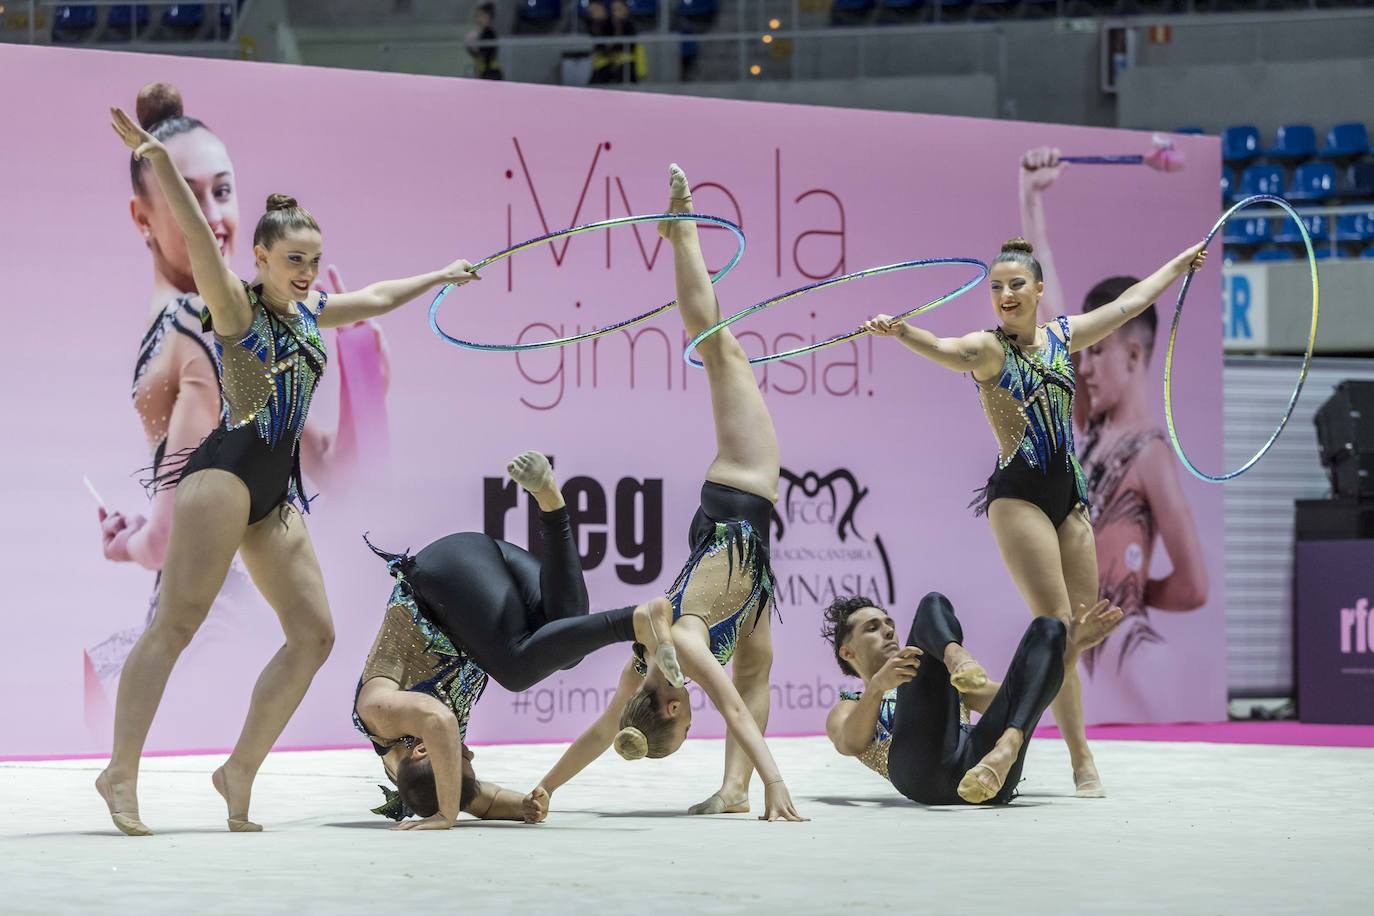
(881, 451)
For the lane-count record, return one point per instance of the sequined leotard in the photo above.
(727, 580)
(268, 376)
(875, 755)
(418, 656)
(1030, 406)
(1122, 519)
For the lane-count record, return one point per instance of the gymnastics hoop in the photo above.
(849, 335)
(1173, 335)
(577, 230)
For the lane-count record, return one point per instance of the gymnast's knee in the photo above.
(934, 600)
(1048, 631)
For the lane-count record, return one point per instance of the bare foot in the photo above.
(653, 623)
(985, 778)
(533, 472)
(1086, 782)
(679, 198)
(722, 803)
(235, 790)
(965, 674)
(121, 797)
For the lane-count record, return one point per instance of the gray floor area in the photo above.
(1189, 828)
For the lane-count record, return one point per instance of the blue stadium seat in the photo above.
(184, 17)
(1359, 181)
(644, 9)
(1368, 252)
(850, 6)
(73, 22)
(1313, 181)
(1228, 181)
(227, 15)
(1252, 230)
(540, 10)
(1273, 254)
(1262, 179)
(1323, 252)
(123, 17)
(1293, 141)
(1355, 227)
(1240, 143)
(698, 10)
(1189, 131)
(1319, 227)
(1350, 139)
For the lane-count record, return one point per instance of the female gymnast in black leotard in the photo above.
(1036, 499)
(238, 489)
(910, 723)
(467, 607)
(723, 596)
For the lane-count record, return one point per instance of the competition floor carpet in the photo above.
(1189, 827)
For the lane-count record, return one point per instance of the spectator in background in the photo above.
(614, 62)
(629, 56)
(484, 56)
(603, 58)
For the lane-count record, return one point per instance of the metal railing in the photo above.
(779, 44)
(1332, 213)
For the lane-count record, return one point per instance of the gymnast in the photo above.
(910, 722)
(722, 597)
(1037, 498)
(464, 608)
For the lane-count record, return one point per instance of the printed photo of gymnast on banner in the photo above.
(1149, 556)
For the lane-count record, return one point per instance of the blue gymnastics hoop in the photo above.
(1306, 359)
(833, 281)
(577, 230)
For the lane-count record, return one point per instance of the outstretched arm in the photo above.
(701, 666)
(593, 742)
(1091, 327)
(1039, 169)
(221, 290)
(1185, 588)
(496, 803)
(381, 297)
(978, 353)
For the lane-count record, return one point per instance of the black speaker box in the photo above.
(1333, 520)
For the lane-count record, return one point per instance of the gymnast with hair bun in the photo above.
(723, 596)
(238, 490)
(1037, 499)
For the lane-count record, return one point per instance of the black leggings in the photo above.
(931, 751)
(520, 620)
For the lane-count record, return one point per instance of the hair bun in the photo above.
(281, 202)
(156, 103)
(631, 744)
(1018, 244)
